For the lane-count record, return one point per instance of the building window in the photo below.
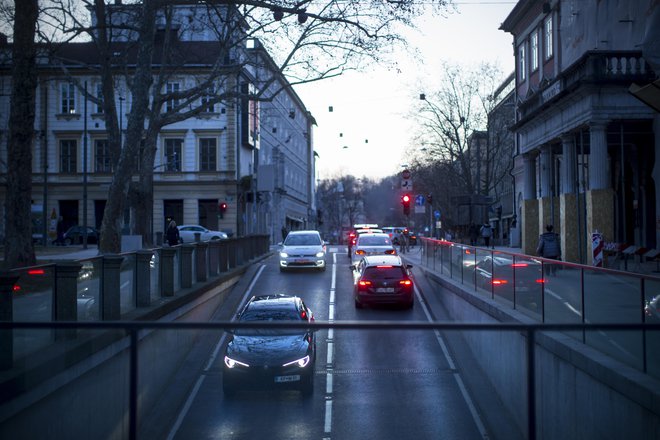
(173, 154)
(522, 65)
(68, 153)
(99, 96)
(534, 49)
(68, 96)
(102, 156)
(171, 104)
(208, 97)
(548, 37)
(208, 154)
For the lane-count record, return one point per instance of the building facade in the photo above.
(206, 166)
(588, 145)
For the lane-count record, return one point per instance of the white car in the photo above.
(302, 249)
(187, 233)
(371, 244)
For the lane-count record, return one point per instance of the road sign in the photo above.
(419, 200)
(436, 214)
(405, 174)
(406, 184)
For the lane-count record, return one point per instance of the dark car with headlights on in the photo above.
(264, 358)
(383, 279)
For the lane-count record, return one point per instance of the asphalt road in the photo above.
(385, 384)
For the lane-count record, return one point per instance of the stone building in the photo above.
(589, 146)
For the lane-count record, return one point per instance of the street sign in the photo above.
(406, 184)
(405, 174)
(420, 209)
(419, 200)
(436, 214)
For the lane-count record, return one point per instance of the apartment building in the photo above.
(588, 145)
(206, 166)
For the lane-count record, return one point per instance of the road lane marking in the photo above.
(328, 358)
(466, 396)
(200, 380)
(328, 416)
(330, 348)
(328, 383)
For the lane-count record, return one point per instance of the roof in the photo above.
(388, 260)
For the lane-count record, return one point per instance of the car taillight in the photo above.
(519, 265)
(405, 282)
(36, 272)
(360, 252)
(540, 281)
(16, 288)
(499, 282)
(390, 252)
(363, 284)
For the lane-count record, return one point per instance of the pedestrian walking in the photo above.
(486, 233)
(172, 234)
(549, 247)
(473, 232)
(59, 241)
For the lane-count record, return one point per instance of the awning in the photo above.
(648, 94)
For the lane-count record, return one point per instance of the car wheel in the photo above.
(228, 389)
(282, 269)
(410, 304)
(68, 241)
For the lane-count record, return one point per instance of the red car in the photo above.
(383, 279)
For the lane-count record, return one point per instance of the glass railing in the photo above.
(549, 291)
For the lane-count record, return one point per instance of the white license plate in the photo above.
(385, 290)
(291, 378)
(303, 261)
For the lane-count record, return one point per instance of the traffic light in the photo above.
(223, 209)
(405, 201)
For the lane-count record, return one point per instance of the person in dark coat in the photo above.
(549, 247)
(473, 232)
(60, 232)
(172, 234)
(486, 233)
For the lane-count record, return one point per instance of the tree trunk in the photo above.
(19, 249)
(118, 192)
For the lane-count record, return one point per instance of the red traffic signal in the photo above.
(405, 201)
(223, 208)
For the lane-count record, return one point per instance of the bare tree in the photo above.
(308, 41)
(453, 124)
(19, 250)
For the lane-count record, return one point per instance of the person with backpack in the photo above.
(549, 247)
(486, 233)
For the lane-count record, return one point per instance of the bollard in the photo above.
(143, 278)
(231, 253)
(166, 270)
(7, 281)
(201, 252)
(110, 288)
(186, 265)
(214, 257)
(65, 303)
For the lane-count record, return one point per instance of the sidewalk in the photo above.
(47, 254)
(632, 265)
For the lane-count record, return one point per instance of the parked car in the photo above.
(503, 275)
(394, 232)
(371, 244)
(303, 249)
(266, 358)
(383, 279)
(74, 235)
(187, 233)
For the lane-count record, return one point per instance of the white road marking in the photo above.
(466, 396)
(328, 416)
(212, 358)
(328, 383)
(328, 358)
(330, 347)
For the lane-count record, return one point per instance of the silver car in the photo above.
(187, 233)
(371, 244)
(302, 249)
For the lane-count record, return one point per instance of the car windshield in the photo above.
(371, 240)
(302, 240)
(269, 316)
(377, 273)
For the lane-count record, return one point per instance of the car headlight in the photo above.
(284, 255)
(302, 362)
(320, 254)
(233, 363)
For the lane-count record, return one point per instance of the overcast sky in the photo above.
(369, 108)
